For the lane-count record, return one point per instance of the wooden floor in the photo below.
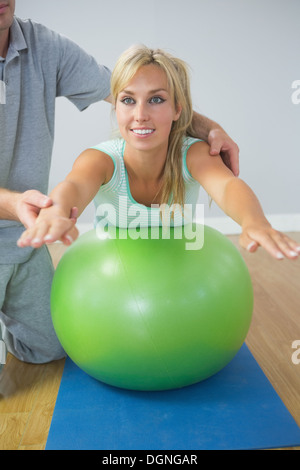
(28, 392)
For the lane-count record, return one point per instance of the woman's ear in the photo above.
(177, 114)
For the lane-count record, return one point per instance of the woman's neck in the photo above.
(147, 166)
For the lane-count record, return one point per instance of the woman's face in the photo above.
(145, 109)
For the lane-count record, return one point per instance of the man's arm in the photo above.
(219, 141)
(109, 99)
(22, 207)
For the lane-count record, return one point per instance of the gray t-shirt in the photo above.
(40, 65)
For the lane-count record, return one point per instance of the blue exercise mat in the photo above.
(235, 409)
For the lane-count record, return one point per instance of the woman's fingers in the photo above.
(69, 237)
(276, 243)
(45, 232)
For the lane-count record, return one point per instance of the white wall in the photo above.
(244, 56)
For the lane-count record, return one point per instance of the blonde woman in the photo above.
(156, 161)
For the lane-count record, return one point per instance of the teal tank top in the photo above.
(115, 205)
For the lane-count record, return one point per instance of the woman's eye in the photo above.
(157, 100)
(127, 101)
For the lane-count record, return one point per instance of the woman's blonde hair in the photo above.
(179, 87)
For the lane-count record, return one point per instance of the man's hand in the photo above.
(219, 141)
(28, 206)
(221, 144)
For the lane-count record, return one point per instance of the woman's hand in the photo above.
(276, 243)
(51, 225)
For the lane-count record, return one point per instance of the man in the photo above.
(36, 66)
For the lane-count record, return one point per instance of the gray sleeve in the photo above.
(79, 77)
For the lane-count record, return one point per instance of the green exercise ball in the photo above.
(148, 311)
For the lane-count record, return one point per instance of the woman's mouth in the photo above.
(142, 132)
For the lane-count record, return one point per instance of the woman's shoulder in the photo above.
(193, 142)
(195, 147)
(112, 152)
(196, 153)
(113, 147)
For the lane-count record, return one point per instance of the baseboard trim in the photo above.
(225, 225)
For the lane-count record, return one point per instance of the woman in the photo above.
(155, 162)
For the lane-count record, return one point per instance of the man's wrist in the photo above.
(8, 204)
(203, 126)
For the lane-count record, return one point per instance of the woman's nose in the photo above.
(141, 113)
